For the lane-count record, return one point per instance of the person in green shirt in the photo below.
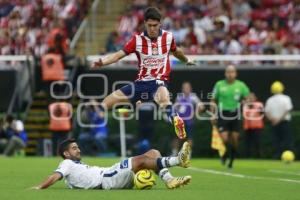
(228, 95)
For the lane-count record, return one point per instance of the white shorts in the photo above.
(119, 176)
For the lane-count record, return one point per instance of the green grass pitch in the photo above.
(250, 179)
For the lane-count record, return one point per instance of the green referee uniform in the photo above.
(228, 97)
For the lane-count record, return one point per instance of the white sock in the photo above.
(174, 152)
(167, 162)
(165, 175)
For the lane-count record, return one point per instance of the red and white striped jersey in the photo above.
(153, 55)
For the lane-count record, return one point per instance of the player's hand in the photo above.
(34, 188)
(97, 64)
(191, 63)
(94, 102)
(275, 122)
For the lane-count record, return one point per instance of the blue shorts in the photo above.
(142, 90)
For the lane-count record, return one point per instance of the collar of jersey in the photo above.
(76, 161)
(146, 34)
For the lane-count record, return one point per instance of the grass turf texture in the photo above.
(250, 179)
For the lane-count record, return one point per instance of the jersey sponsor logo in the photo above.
(153, 62)
(124, 164)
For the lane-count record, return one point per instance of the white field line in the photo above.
(242, 176)
(283, 172)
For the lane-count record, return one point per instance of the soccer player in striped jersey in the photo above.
(152, 48)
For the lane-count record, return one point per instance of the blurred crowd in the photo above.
(219, 26)
(39, 26)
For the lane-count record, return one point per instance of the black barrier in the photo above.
(7, 85)
(203, 81)
(259, 81)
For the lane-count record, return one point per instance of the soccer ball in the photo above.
(287, 156)
(144, 179)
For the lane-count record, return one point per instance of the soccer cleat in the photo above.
(230, 164)
(184, 155)
(179, 127)
(223, 160)
(177, 182)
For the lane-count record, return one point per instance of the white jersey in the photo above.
(277, 105)
(79, 175)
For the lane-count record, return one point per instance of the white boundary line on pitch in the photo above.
(283, 172)
(242, 176)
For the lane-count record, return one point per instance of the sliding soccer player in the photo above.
(118, 176)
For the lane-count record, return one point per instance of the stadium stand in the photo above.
(31, 27)
(42, 28)
(214, 27)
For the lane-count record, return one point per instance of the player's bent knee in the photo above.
(155, 153)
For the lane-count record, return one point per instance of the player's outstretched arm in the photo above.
(109, 59)
(178, 53)
(49, 181)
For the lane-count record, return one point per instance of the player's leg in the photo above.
(175, 146)
(122, 95)
(189, 130)
(145, 162)
(234, 138)
(153, 160)
(162, 98)
(115, 97)
(224, 134)
(14, 144)
(233, 127)
(225, 138)
(164, 173)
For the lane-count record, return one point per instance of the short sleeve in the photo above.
(130, 46)
(215, 92)
(246, 90)
(64, 168)
(173, 45)
(195, 99)
(177, 98)
(289, 104)
(267, 106)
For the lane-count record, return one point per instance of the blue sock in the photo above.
(170, 111)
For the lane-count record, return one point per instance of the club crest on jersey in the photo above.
(154, 48)
(155, 51)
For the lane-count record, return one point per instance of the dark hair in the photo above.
(9, 119)
(152, 13)
(64, 145)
